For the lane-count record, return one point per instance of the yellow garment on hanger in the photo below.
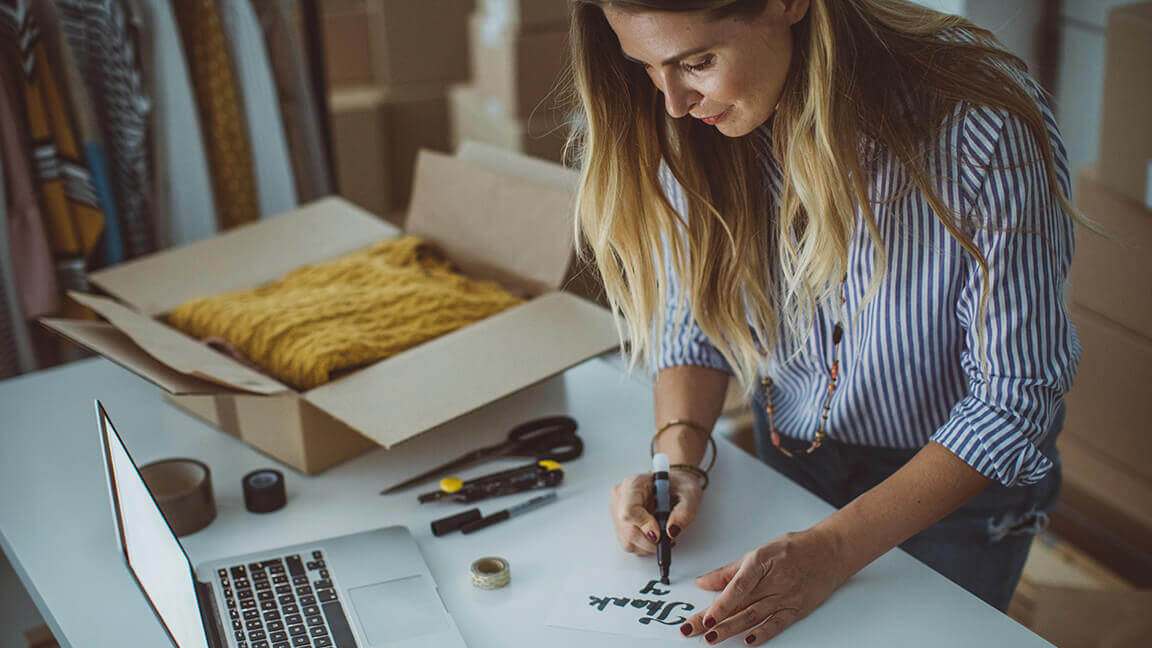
(345, 313)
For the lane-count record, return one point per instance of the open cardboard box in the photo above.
(496, 214)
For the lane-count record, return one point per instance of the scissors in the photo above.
(552, 437)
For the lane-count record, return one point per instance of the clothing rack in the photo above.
(314, 50)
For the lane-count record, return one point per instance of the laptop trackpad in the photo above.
(396, 610)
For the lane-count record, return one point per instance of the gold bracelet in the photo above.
(695, 470)
(686, 423)
(689, 424)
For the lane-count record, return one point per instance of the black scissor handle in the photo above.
(551, 437)
(566, 451)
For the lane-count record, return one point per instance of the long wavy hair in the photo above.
(886, 71)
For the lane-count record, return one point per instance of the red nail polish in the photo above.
(709, 621)
(749, 639)
(652, 536)
(686, 629)
(710, 637)
(673, 530)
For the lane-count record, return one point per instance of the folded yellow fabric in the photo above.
(345, 313)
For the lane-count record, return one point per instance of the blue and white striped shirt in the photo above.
(910, 363)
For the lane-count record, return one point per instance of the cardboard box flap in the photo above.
(425, 386)
(108, 341)
(506, 161)
(245, 257)
(177, 351)
(493, 225)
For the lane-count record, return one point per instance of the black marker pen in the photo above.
(513, 511)
(663, 508)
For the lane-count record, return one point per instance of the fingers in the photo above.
(776, 623)
(739, 593)
(684, 512)
(713, 581)
(756, 621)
(642, 530)
(717, 579)
(636, 528)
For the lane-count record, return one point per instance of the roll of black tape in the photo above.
(264, 491)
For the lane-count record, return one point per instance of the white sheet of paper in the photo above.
(627, 602)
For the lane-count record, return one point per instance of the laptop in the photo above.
(361, 590)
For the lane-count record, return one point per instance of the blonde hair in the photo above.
(884, 70)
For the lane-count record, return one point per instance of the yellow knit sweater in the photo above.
(345, 313)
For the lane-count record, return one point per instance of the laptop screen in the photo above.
(153, 553)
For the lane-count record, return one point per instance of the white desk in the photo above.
(56, 529)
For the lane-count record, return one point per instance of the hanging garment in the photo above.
(98, 33)
(72, 216)
(184, 207)
(218, 102)
(28, 251)
(74, 94)
(297, 100)
(15, 347)
(275, 186)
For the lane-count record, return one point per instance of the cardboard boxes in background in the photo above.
(360, 145)
(1060, 597)
(390, 42)
(390, 64)
(377, 132)
(503, 220)
(1126, 113)
(477, 119)
(1106, 503)
(528, 15)
(516, 68)
(1112, 274)
(519, 53)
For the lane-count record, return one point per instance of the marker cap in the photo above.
(454, 522)
(660, 462)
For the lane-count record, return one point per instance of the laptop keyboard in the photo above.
(285, 602)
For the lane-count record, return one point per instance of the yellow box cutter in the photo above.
(538, 474)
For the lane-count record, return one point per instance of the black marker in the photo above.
(500, 516)
(663, 508)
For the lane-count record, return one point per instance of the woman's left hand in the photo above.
(770, 588)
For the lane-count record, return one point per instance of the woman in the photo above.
(858, 208)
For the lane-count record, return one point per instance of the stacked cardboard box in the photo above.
(1126, 124)
(1106, 504)
(519, 51)
(390, 64)
(1060, 584)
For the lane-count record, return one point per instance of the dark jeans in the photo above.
(981, 546)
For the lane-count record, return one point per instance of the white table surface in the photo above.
(56, 529)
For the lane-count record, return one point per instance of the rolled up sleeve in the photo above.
(680, 341)
(1019, 370)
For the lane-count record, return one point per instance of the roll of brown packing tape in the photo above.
(183, 490)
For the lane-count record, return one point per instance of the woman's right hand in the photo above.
(634, 502)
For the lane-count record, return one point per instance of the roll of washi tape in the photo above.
(183, 491)
(264, 491)
(491, 573)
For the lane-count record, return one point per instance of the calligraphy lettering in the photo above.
(687, 607)
(651, 588)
